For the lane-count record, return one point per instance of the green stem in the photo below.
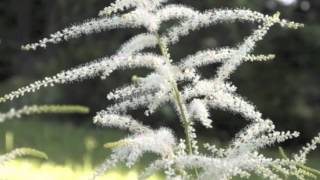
(186, 123)
(185, 120)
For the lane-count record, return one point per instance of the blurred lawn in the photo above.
(74, 151)
(18, 170)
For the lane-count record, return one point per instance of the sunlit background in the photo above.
(285, 90)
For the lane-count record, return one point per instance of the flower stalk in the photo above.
(182, 109)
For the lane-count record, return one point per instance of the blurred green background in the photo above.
(285, 90)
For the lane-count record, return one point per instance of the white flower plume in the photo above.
(103, 67)
(129, 150)
(179, 83)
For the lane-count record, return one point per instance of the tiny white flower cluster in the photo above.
(121, 5)
(121, 122)
(181, 85)
(42, 109)
(199, 111)
(21, 152)
(302, 156)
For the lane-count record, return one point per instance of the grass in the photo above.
(73, 151)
